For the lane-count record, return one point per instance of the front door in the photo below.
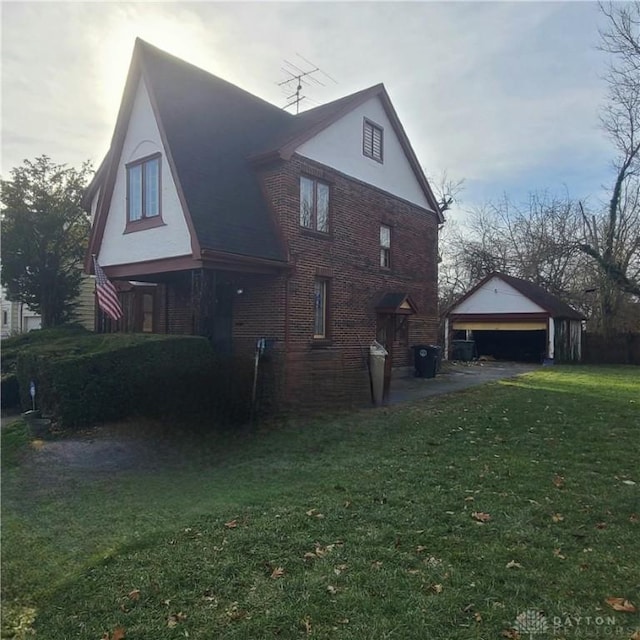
(223, 318)
(385, 332)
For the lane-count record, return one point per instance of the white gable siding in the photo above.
(496, 296)
(173, 239)
(340, 146)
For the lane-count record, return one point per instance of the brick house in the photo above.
(218, 214)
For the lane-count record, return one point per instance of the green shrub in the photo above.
(9, 391)
(114, 376)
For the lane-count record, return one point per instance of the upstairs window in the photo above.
(385, 246)
(143, 189)
(314, 204)
(372, 141)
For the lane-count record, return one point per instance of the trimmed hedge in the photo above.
(122, 375)
(9, 391)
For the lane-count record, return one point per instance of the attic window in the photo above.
(143, 189)
(372, 141)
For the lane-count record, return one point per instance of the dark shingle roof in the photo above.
(556, 307)
(211, 127)
(550, 303)
(215, 132)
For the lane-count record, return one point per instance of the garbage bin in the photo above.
(462, 350)
(425, 360)
(377, 357)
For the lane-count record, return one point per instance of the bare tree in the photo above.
(612, 238)
(534, 241)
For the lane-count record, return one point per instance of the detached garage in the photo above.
(512, 319)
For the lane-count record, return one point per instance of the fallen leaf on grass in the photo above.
(557, 517)
(376, 565)
(621, 604)
(481, 516)
(232, 524)
(134, 595)
(477, 617)
(332, 590)
(118, 634)
(436, 588)
(309, 556)
(343, 621)
(339, 569)
(558, 481)
(558, 554)
(314, 513)
(37, 444)
(601, 525)
(278, 572)
(511, 634)
(306, 623)
(420, 548)
(175, 618)
(512, 564)
(628, 482)
(635, 635)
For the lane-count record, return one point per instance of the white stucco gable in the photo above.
(340, 147)
(496, 296)
(173, 239)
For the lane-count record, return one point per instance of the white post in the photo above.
(551, 339)
(445, 355)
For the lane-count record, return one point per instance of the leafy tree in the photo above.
(44, 236)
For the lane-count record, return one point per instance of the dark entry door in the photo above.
(223, 318)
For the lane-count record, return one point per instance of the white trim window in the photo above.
(321, 286)
(385, 246)
(314, 204)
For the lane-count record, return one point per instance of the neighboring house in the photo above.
(510, 318)
(219, 214)
(17, 317)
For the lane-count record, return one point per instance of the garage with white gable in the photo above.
(507, 318)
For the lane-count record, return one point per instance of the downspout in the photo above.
(285, 364)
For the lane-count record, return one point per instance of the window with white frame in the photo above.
(372, 140)
(385, 246)
(143, 189)
(314, 204)
(321, 287)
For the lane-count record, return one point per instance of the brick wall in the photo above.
(318, 373)
(335, 370)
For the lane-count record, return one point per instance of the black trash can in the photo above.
(425, 360)
(462, 350)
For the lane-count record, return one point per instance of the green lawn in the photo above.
(443, 519)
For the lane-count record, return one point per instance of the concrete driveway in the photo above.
(454, 376)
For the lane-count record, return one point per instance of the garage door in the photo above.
(501, 339)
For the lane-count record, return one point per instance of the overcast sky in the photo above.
(504, 95)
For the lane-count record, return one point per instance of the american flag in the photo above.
(107, 294)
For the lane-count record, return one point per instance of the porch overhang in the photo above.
(397, 304)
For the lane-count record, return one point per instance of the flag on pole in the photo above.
(107, 294)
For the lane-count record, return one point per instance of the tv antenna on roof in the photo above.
(301, 77)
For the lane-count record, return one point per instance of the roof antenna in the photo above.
(301, 77)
